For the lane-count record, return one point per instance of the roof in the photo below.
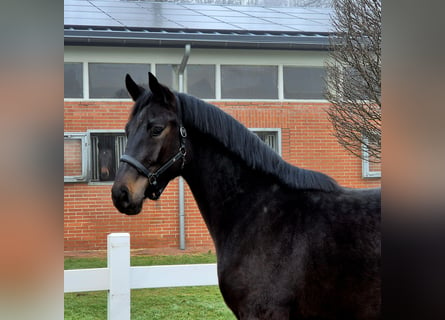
(147, 23)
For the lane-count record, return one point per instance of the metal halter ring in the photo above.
(183, 132)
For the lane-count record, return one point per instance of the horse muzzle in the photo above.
(124, 201)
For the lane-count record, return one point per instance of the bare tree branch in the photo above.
(354, 76)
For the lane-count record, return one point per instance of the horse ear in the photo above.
(133, 89)
(154, 85)
(160, 92)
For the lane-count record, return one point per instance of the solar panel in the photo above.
(146, 14)
(92, 22)
(81, 8)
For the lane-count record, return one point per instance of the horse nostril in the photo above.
(121, 196)
(124, 195)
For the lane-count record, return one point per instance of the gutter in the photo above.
(88, 36)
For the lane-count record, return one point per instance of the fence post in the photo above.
(118, 250)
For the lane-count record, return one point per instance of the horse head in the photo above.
(155, 151)
(106, 158)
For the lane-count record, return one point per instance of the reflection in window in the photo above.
(107, 80)
(201, 81)
(75, 157)
(304, 82)
(356, 87)
(371, 165)
(166, 75)
(72, 160)
(73, 80)
(249, 82)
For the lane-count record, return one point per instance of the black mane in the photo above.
(210, 120)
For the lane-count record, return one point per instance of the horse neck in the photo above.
(219, 181)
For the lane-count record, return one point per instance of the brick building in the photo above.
(264, 66)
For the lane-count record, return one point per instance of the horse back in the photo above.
(315, 252)
(342, 266)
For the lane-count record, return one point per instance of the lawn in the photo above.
(167, 303)
(82, 263)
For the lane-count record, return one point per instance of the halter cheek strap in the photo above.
(153, 176)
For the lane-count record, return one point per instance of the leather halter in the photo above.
(153, 176)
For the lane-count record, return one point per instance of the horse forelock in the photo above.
(211, 120)
(140, 103)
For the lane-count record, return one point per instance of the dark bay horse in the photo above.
(291, 243)
(106, 158)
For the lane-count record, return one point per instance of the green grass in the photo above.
(168, 303)
(83, 263)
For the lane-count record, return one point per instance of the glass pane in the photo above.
(375, 166)
(304, 82)
(356, 86)
(201, 81)
(72, 157)
(270, 138)
(106, 150)
(249, 82)
(166, 75)
(107, 80)
(73, 80)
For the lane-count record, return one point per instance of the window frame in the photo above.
(85, 155)
(322, 81)
(214, 57)
(367, 173)
(90, 70)
(253, 65)
(82, 80)
(276, 130)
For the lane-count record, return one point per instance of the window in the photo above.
(304, 82)
(249, 82)
(272, 137)
(92, 156)
(106, 150)
(370, 167)
(166, 75)
(75, 157)
(73, 80)
(107, 80)
(205, 81)
(201, 81)
(356, 87)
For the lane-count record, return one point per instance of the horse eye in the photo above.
(156, 131)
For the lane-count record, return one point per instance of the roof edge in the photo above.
(91, 36)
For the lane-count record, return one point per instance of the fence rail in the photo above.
(119, 278)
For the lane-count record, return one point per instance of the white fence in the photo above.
(119, 278)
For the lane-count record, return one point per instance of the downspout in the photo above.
(179, 70)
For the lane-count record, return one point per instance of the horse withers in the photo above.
(290, 243)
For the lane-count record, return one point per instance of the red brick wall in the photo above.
(89, 212)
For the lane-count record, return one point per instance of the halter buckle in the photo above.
(183, 132)
(152, 180)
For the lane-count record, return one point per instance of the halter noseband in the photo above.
(153, 176)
